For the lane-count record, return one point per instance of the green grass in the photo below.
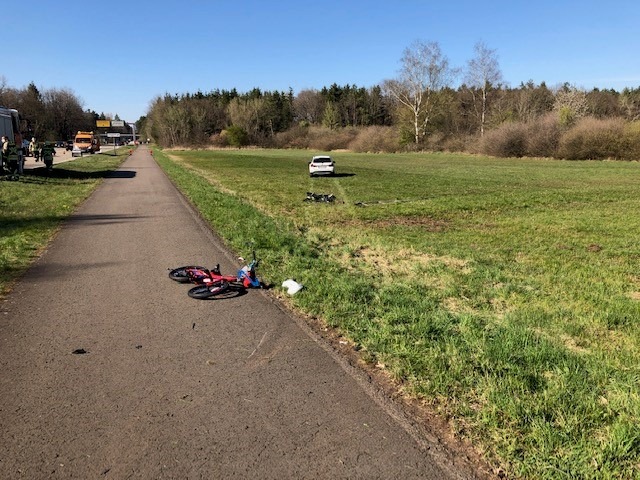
(32, 209)
(504, 293)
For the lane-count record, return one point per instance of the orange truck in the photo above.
(85, 142)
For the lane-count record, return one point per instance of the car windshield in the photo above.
(322, 160)
(83, 140)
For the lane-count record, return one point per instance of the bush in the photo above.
(594, 139)
(296, 137)
(632, 134)
(219, 140)
(376, 139)
(236, 136)
(459, 143)
(315, 138)
(434, 142)
(507, 140)
(543, 136)
(325, 139)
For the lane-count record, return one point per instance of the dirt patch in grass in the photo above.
(634, 296)
(457, 305)
(406, 263)
(429, 224)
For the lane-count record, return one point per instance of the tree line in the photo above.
(49, 114)
(257, 116)
(420, 109)
(466, 118)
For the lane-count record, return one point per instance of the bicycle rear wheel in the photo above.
(208, 291)
(180, 274)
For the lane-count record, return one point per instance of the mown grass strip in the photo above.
(504, 293)
(32, 208)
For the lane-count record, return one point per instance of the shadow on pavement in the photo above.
(230, 293)
(56, 270)
(50, 221)
(106, 219)
(38, 175)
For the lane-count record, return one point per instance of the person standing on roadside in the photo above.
(33, 148)
(4, 152)
(47, 152)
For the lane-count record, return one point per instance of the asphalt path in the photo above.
(109, 370)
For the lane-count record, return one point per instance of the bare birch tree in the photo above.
(425, 71)
(483, 72)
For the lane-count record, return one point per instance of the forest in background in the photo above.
(418, 110)
(529, 120)
(54, 114)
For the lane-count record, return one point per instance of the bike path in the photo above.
(109, 369)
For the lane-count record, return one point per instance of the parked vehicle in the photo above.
(10, 125)
(321, 165)
(68, 145)
(10, 128)
(85, 142)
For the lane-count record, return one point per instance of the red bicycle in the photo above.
(211, 283)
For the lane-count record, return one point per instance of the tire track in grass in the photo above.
(342, 194)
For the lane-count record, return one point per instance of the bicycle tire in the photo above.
(208, 291)
(180, 274)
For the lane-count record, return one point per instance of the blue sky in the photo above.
(117, 56)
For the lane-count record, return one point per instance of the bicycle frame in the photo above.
(214, 280)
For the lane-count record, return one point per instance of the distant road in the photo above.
(62, 155)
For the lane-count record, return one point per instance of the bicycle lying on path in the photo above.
(210, 283)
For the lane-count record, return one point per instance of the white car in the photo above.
(321, 165)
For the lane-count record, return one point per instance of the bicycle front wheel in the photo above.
(208, 291)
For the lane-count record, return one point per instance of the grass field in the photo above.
(503, 293)
(32, 209)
